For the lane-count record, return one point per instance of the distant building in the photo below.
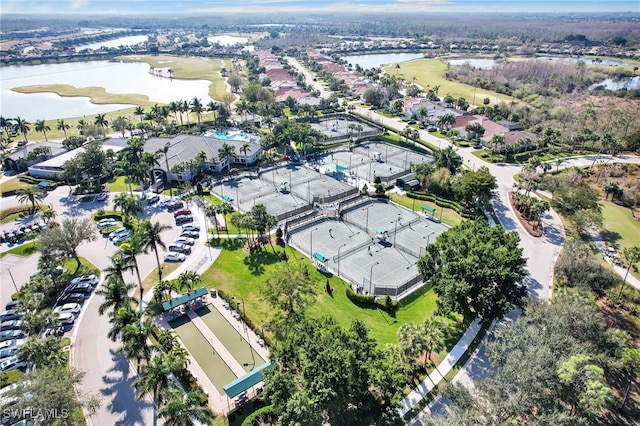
(20, 159)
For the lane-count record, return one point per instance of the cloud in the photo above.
(79, 4)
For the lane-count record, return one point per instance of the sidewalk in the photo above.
(441, 370)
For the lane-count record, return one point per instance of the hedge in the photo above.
(265, 413)
(441, 202)
(18, 209)
(386, 304)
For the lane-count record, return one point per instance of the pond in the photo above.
(629, 83)
(611, 62)
(483, 64)
(374, 61)
(227, 40)
(115, 77)
(116, 42)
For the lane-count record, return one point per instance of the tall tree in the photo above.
(22, 126)
(30, 194)
(135, 341)
(184, 409)
(226, 153)
(41, 126)
(66, 238)
(61, 125)
(476, 270)
(165, 151)
(150, 239)
(101, 121)
(197, 108)
(289, 288)
(116, 295)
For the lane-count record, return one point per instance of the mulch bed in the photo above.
(534, 229)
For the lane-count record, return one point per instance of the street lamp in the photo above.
(395, 230)
(366, 226)
(311, 240)
(371, 277)
(428, 236)
(339, 248)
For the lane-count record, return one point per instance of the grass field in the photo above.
(449, 216)
(619, 228)
(12, 184)
(430, 72)
(242, 275)
(26, 249)
(98, 95)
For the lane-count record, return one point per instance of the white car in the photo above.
(72, 308)
(184, 240)
(66, 318)
(91, 279)
(120, 238)
(118, 231)
(105, 223)
(11, 364)
(102, 196)
(13, 343)
(191, 227)
(166, 201)
(172, 256)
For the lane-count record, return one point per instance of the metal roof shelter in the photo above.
(320, 257)
(184, 298)
(243, 383)
(428, 208)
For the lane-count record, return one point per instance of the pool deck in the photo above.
(217, 402)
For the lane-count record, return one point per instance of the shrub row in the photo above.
(15, 210)
(386, 304)
(441, 202)
(34, 181)
(261, 415)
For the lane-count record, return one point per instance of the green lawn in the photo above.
(619, 228)
(26, 249)
(430, 73)
(120, 185)
(449, 216)
(241, 275)
(12, 184)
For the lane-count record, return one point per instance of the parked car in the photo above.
(182, 212)
(166, 201)
(184, 240)
(102, 196)
(7, 353)
(191, 227)
(71, 298)
(477, 145)
(106, 223)
(154, 199)
(91, 279)
(22, 142)
(175, 205)
(180, 248)
(432, 129)
(66, 318)
(79, 288)
(11, 314)
(190, 234)
(10, 325)
(12, 304)
(120, 238)
(172, 256)
(118, 231)
(13, 343)
(12, 363)
(11, 334)
(72, 308)
(184, 219)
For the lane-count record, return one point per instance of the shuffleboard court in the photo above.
(233, 341)
(218, 372)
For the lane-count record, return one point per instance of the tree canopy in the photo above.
(325, 374)
(476, 270)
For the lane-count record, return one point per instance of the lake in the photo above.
(116, 42)
(611, 62)
(483, 64)
(374, 61)
(115, 77)
(628, 83)
(227, 40)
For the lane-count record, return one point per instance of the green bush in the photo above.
(360, 298)
(107, 215)
(260, 415)
(110, 229)
(15, 210)
(10, 377)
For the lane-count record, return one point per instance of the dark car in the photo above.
(11, 334)
(11, 314)
(190, 234)
(71, 298)
(79, 288)
(12, 304)
(184, 219)
(10, 325)
(477, 145)
(176, 205)
(432, 129)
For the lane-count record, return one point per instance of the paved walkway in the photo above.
(441, 370)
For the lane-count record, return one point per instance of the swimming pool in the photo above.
(234, 137)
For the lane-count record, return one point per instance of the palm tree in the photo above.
(150, 160)
(475, 129)
(225, 153)
(434, 335)
(213, 107)
(445, 121)
(30, 194)
(63, 126)
(139, 111)
(116, 295)
(212, 211)
(411, 341)
(101, 121)
(242, 107)
(119, 124)
(154, 377)
(165, 150)
(81, 126)
(196, 106)
(224, 209)
(119, 265)
(22, 126)
(150, 239)
(245, 148)
(130, 249)
(121, 318)
(184, 409)
(188, 279)
(448, 157)
(48, 215)
(6, 124)
(184, 107)
(129, 205)
(41, 126)
(135, 338)
(43, 351)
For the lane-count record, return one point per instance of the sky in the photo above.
(132, 7)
